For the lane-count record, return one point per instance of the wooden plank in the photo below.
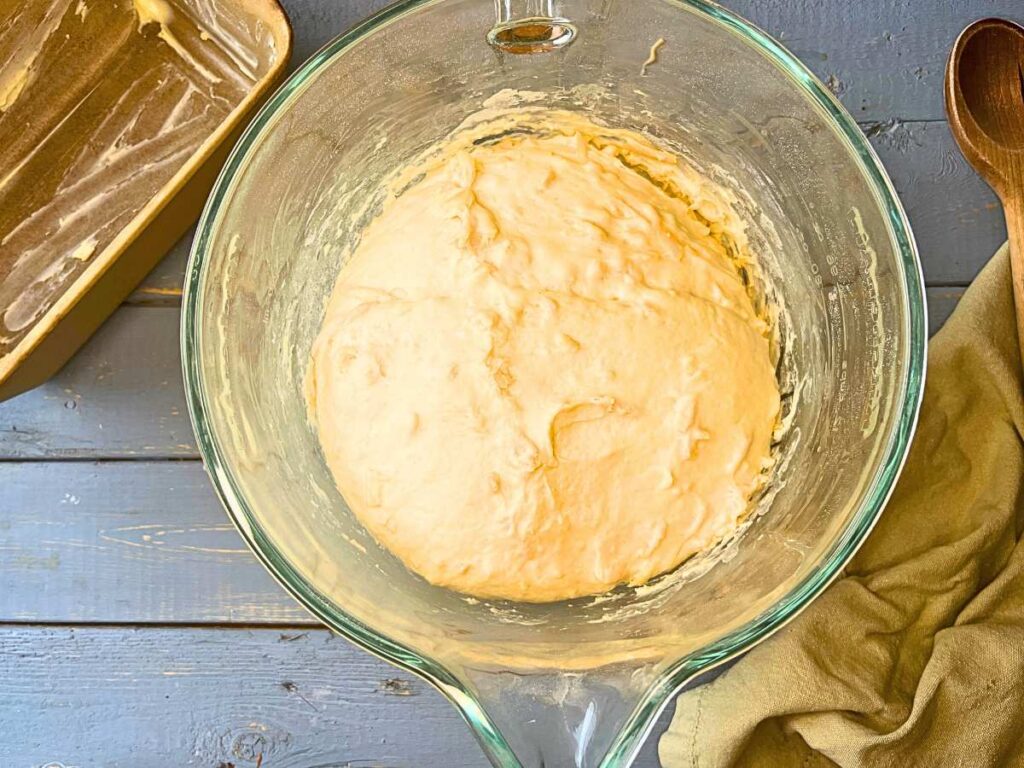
(146, 541)
(162, 286)
(956, 218)
(212, 698)
(317, 22)
(941, 303)
(120, 396)
(883, 58)
(216, 697)
(127, 542)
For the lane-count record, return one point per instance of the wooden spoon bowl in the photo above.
(985, 105)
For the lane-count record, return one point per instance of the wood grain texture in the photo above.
(955, 216)
(210, 698)
(162, 287)
(941, 303)
(317, 22)
(145, 541)
(142, 539)
(127, 542)
(121, 396)
(883, 58)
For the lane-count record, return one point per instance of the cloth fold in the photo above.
(915, 656)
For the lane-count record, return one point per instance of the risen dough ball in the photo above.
(540, 374)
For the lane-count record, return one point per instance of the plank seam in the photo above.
(101, 459)
(122, 625)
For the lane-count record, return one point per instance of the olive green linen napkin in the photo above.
(915, 656)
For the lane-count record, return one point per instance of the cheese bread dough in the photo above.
(540, 374)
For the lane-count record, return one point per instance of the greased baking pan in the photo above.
(115, 117)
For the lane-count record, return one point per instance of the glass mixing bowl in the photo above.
(576, 683)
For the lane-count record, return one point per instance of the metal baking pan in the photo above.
(115, 117)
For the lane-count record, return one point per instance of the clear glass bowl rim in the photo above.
(735, 643)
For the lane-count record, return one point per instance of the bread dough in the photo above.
(540, 374)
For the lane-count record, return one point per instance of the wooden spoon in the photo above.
(985, 105)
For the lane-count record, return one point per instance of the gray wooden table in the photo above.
(135, 628)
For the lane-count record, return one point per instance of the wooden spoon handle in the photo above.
(1013, 207)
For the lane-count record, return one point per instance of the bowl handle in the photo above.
(529, 26)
